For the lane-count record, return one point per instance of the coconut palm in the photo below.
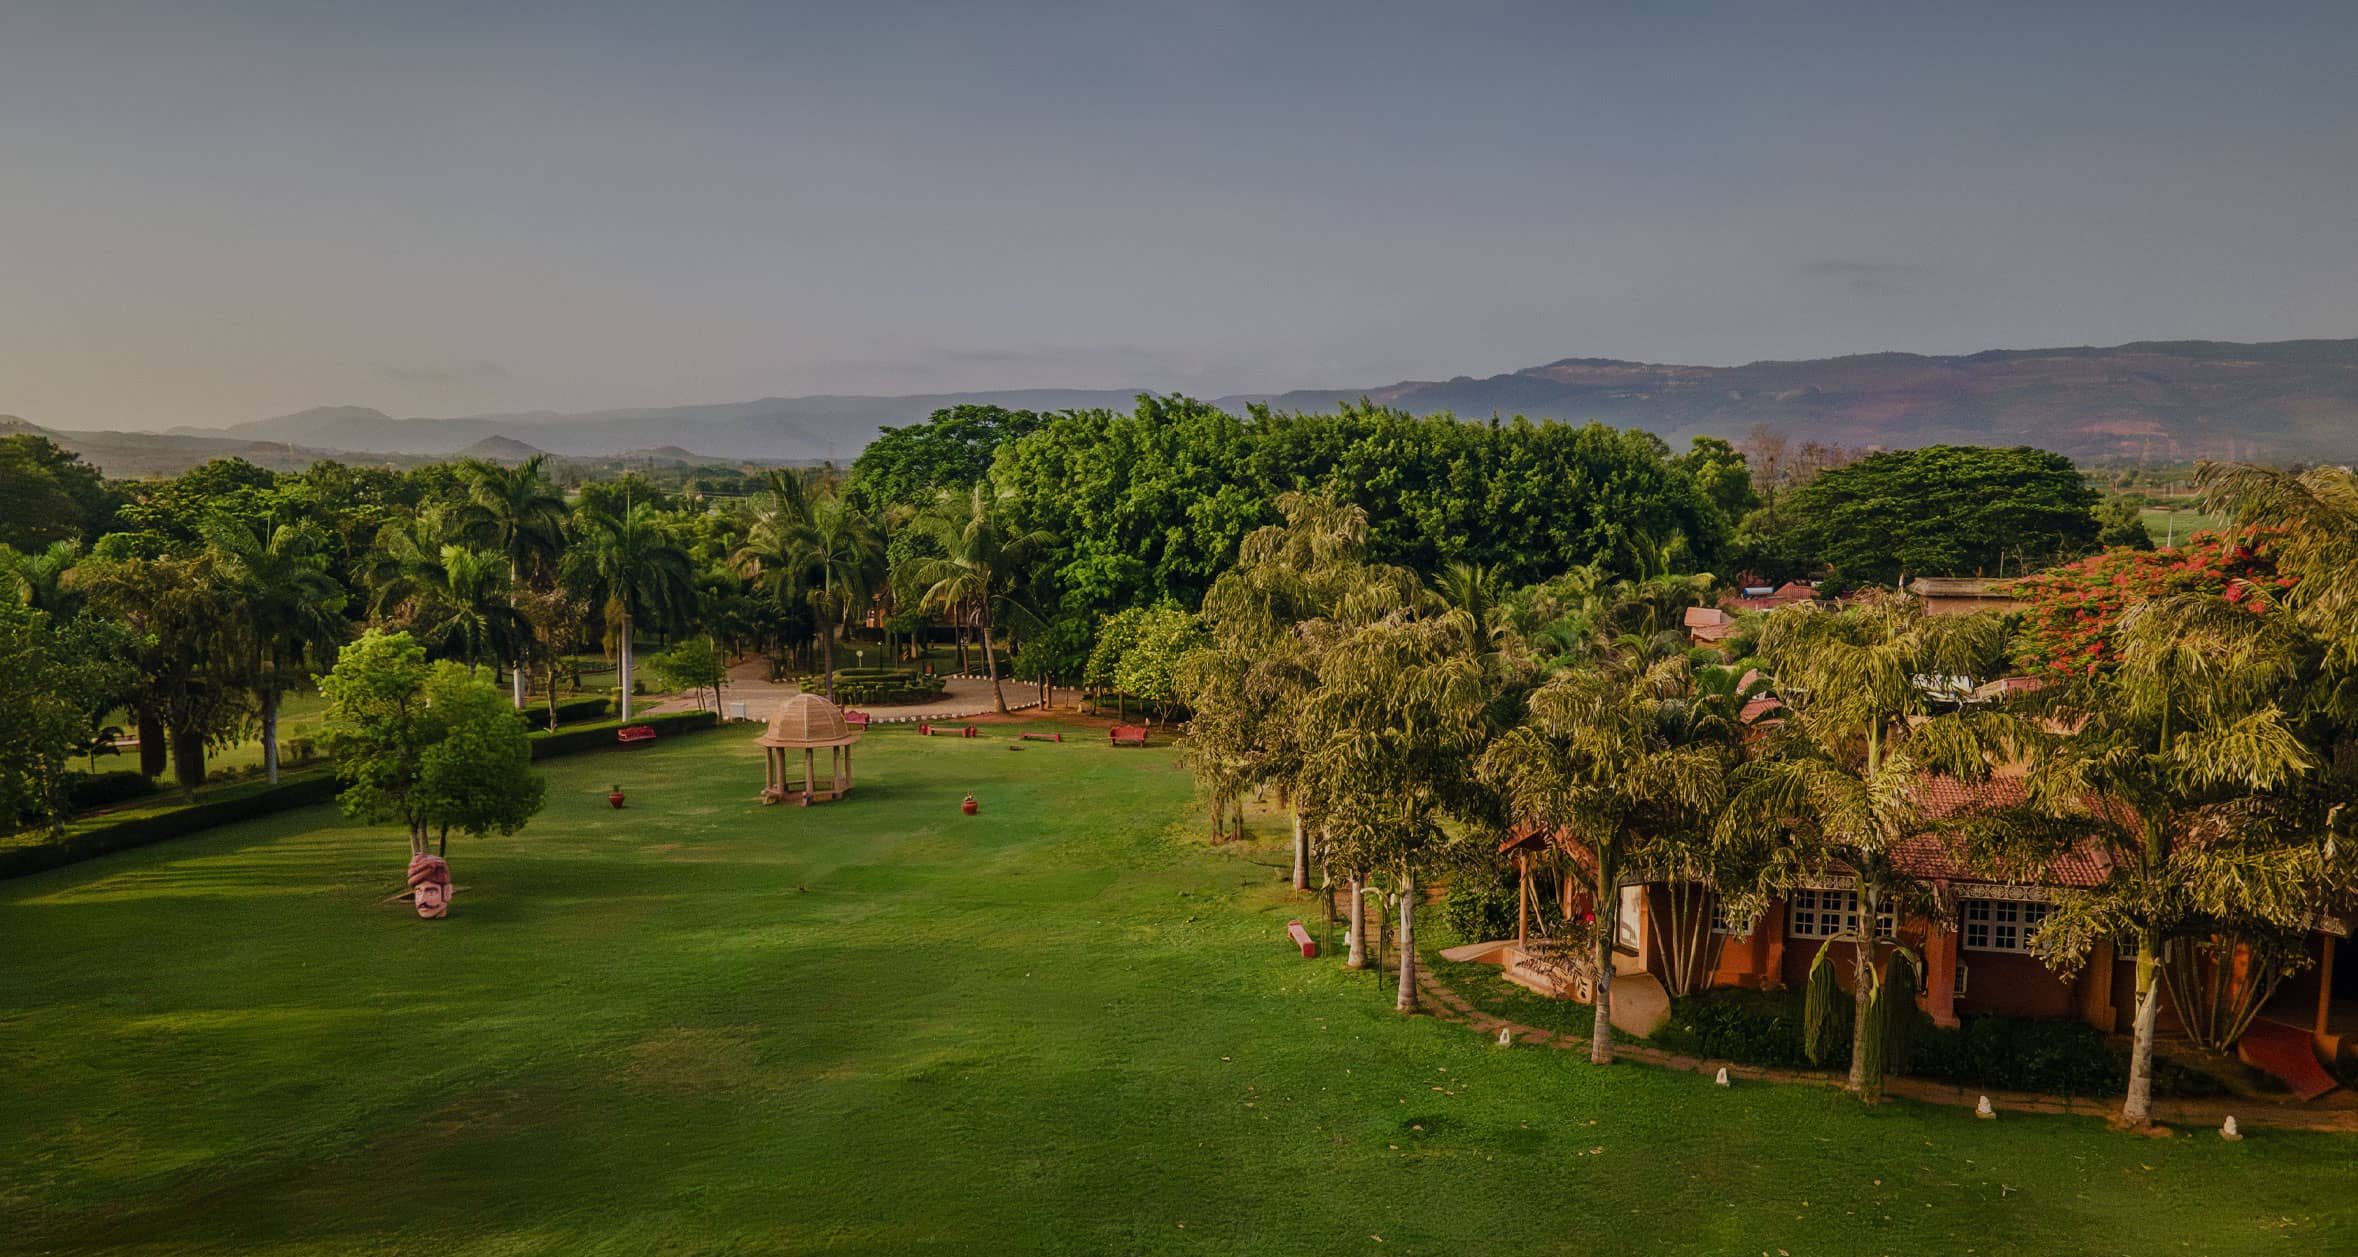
(289, 611)
(1837, 785)
(635, 573)
(517, 513)
(985, 563)
(1620, 757)
(841, 555)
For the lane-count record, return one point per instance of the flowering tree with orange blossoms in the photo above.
(2070, 611)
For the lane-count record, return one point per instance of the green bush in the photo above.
(2055, 1057)
(1478, 909)
(1750, 1027)
(587, 707)
(601, 735)
(2023, 1054)
(236, 803)
(85, 791)
(878, 687)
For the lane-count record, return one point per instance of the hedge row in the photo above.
(249, 800)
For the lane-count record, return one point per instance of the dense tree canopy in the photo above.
(1944, 510)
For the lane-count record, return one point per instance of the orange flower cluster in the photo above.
(2069, 611)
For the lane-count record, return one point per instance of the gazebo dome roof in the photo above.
(807, 721)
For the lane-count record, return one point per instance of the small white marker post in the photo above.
(1506, 1037)
(2228, 1132)
(1984, 1111)
(1720, 1079)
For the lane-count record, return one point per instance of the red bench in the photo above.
(1043, 737)
(635, 734)
(856, 719)
(1127, 735)
(1301, 936)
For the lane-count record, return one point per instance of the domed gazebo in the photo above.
(806, 723)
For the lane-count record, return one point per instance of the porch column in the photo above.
(1523, 905)
(1940, 974)
(1772, 946)
(2096, 988)
(2324, 980)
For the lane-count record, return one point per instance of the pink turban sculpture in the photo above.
(429, 881)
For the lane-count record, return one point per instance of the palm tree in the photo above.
(1837, 787)
(289, 610)
(1616, 757)
(985, 563)
(637, 574)
(516, 512)
(42, 577)
(1392, 733)
(841, 557)
(2184, 766)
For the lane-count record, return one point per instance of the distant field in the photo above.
(2176, 522)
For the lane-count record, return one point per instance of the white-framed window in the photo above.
(1829, 914)
(1999, 924)
(1721, 924)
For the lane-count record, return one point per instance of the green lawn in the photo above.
(1065, 1025)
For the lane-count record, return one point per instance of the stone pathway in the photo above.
(968, 697)
(1444, 1002)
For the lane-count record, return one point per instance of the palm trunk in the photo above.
(1301, 853)
(827, 660)
(1358, 933)
(1406, 1001)
(991, 665)
(2137, 1107)
(552, 677)
(626, 667)
(270, 734)
(1862, 981)
(1600, 1035)
(519, 683)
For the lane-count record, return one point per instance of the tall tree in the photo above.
(637, 574)
(1392, 733)
(1945, 510)
(983, 568)
(517, 513)
(1615, 757)
(1837, 786)
(289, 611)
(2183, 764)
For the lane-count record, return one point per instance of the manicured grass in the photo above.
(1064, 1025)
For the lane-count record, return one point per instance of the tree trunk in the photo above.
(626, 667)
(552, 676)
(991, 665)
(827, 660)
(1406, 1002)
(152, 748)
(417, 840)
(1358, 932)
(270, 735)
(188, 761)
(519, 683)
(1301, 853)
(1600, 1035)
(1862, 980)
(2137, 1106)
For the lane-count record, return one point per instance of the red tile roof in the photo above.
(1933, 857)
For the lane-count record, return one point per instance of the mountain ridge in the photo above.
(2160, 400)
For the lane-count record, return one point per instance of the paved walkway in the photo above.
(968, 697)
(1443, 1001)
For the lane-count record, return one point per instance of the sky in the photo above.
(214, 211)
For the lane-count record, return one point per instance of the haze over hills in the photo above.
(2151, 400)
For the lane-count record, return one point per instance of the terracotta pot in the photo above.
(615, 798)
(970, 807)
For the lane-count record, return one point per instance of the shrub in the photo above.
(1750, 1027)
(1478, 909)
(587, 707)
(85, 791)
(601, 735)
(2023, 1054)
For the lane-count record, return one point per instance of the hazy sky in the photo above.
(212, 212)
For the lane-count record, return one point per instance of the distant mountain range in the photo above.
(2152, 400)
